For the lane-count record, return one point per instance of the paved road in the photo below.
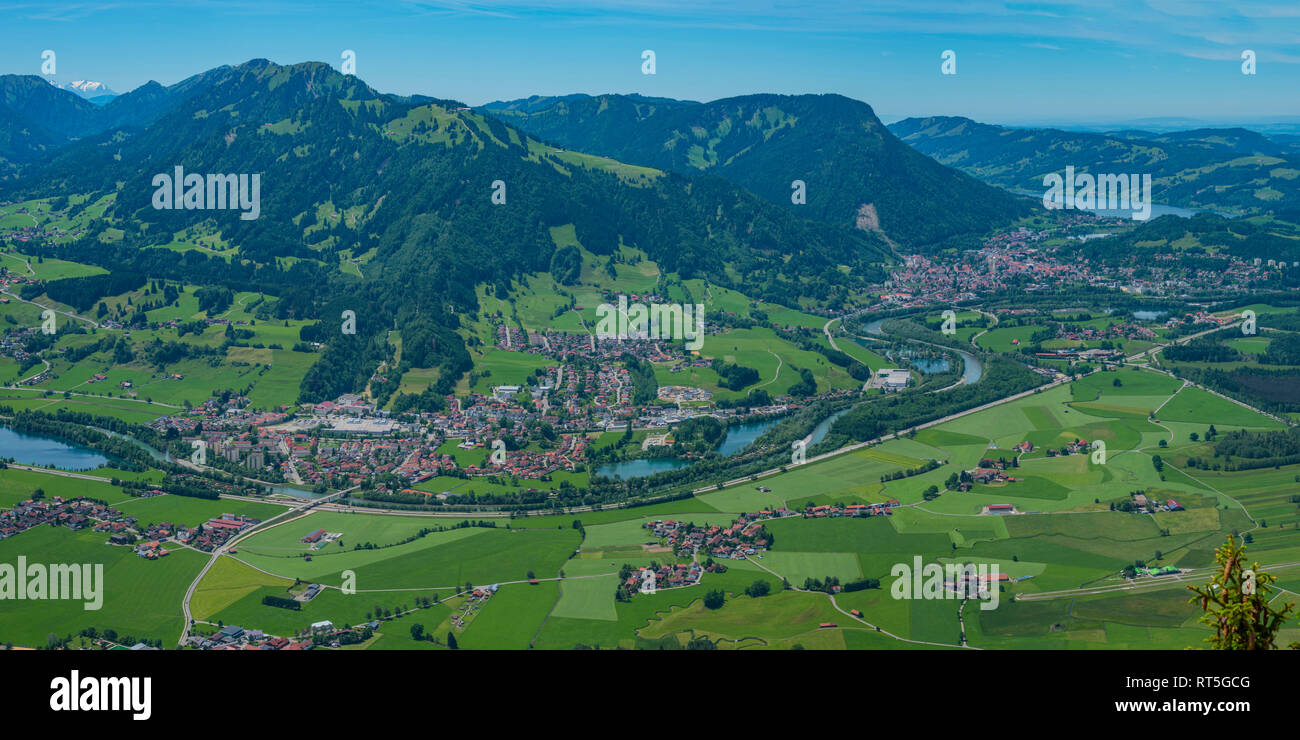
(217, 553)
(841, 610)
(859, 445)
(1143, 584)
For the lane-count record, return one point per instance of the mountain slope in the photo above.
(1234, 170)
(346, 171)
(856, 172)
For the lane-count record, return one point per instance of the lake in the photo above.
(930, 365)
(48, 453)
(739, 436)
(640, 468)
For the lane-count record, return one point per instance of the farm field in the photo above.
(140, 598)
(1064, 550)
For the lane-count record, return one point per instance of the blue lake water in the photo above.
(640, 468)
(931, 366)
(739, 436)
(49, 453)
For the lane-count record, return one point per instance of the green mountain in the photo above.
(856, 172)
(347, 172)
(1232, 170)
(37, 117)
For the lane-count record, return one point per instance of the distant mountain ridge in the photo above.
(1234, 169)
(855, 171)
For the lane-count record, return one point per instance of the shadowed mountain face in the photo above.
(855, 171)
(37, 117)
(1233, 170)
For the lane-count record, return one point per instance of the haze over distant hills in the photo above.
(1234, 170)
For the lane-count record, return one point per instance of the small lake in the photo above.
(930, 365)
(1157, 209)
(972, 369)
(1148, 315)
(48, 453)
(640, 468)
(739, 436)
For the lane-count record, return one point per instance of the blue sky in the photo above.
(1017, 62)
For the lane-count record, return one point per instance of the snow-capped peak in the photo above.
(87, 88)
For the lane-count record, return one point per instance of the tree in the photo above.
(1236, 603)
(758, 588)
(451, 641)
(714, 599)
(417, 632)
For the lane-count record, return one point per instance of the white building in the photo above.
(505, 392)
(892, 379)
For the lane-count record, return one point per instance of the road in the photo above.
(859, 445)
(217, 553)
(1145, 583)
(92, 322)
(846, 613)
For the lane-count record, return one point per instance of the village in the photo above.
(149, 542)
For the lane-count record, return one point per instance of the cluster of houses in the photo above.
(1143, 503)
(234, 637)
(1080, 354)
(216, 531)
(470, 606)
(833, 511)
(151, 549)
(993, 471)
(79, 513)
(568, 346)
(75, 513)
(746, 536)
(1077, 447)
(668, 576)
(535, 464)
(1116, 330)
